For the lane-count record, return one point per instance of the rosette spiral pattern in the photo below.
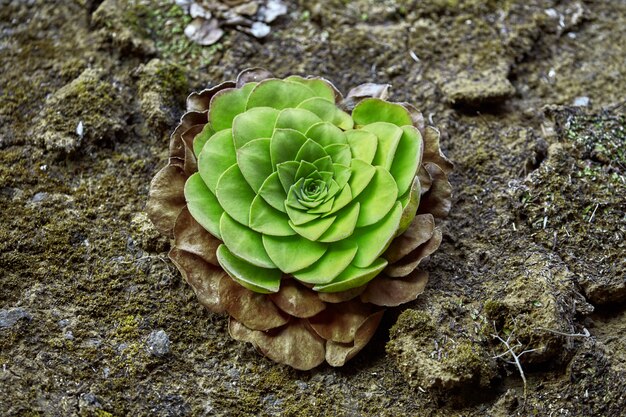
(299, 212)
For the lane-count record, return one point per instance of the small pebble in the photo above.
(582, 101)
(158, 343)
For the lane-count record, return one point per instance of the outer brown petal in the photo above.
(187, 137)
(294, 344)
(337, 354)
(254, 310)
(341, 296)
(252, 75)
(297, 300)
(438, 200)
(365, 90)
(416, 116)
(189, 119)
(193, 238)
(432, 150)
(411, 261)
(203, 277)
(166, 198)
(425, 180)
(340, 322)
(199, 102)
(418, 233)
(389, 292)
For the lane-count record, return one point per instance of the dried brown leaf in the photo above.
(297, 300)
(256, 311)
(252, 75)
(294, 344)
(438, 199)
(390, 292)
(340, 322)
(203, 277)
(166, 198)
(432, 150)
(412, 260)
(418, 233)
(199, 102)
(193, 238)
(337, 354)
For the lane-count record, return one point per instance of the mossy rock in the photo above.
(88, 110)
(449, 361)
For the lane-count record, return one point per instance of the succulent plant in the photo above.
(300, 213)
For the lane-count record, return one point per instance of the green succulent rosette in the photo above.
(300, 212)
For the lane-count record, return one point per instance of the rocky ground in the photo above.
(524, 314)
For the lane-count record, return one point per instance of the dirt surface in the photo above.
(524, 314)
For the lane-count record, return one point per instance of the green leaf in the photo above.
(328, 112)
(305, 169)
(363, 144)
(293, 253)
(333, 188)
(311, 151)
(278, 94)
(252, 277)
(254, 162)
(378, 198)
(406, 162)
(203, 205)
(343, 226)
(313, 229)
(341, 199)
(267, 220)
(372, 110)
(227, 104)
(353, 277)
(388, 138)
(287, 174)
(324, 164)
(342, 174)
(320, 87)
(244, 242)
(324, 207)
(293, 196)
(410, 202)
(285, 145)
(254, 124)
(202, 138)
(273, 193)
(235, 195)
(343, 120)
(334, 262)
(217, 155)
(326, 134)
(340, 153)
(374, 239)
(361, 176)
(296, 119)
(300, 217)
